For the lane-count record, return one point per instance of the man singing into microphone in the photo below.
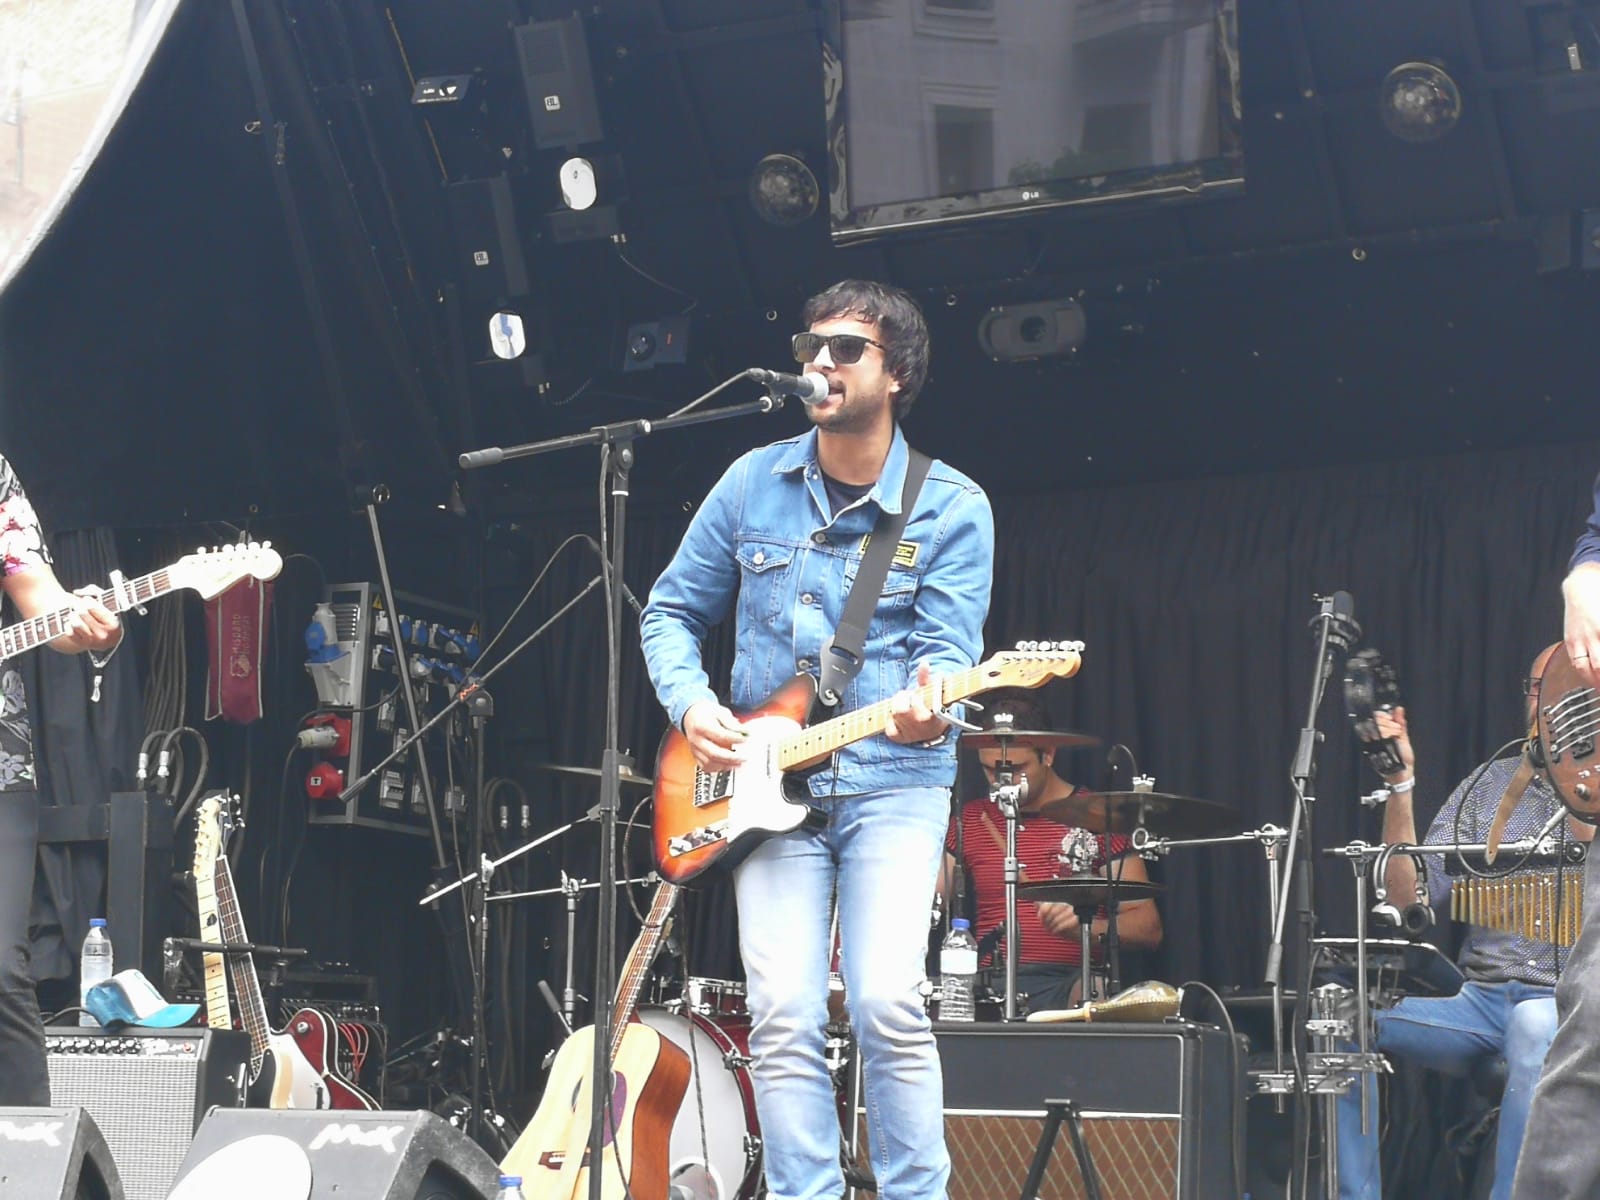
(778, 543)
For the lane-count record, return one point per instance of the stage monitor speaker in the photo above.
(554, 57)
(1159, 1106)
(55, 1154)
(341, 1155)
(147, 1090)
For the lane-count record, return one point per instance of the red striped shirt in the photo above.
(983, 830)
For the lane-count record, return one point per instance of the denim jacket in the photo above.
(764, 541)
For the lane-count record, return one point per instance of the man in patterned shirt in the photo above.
(1507, 1004)
(31, 585)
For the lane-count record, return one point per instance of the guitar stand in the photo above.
(275, 958)
(1057, 1111)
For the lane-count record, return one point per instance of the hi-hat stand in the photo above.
(616, 445)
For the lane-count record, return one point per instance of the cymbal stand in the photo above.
(1272, 839)
(1009, 796)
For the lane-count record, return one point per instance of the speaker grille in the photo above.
(146, 1091)
(144, 1106)
(990, 1155)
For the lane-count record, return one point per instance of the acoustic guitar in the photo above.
(649, 1077)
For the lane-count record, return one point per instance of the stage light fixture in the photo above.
(441, 89)
(1045, 329)
(1419, 102)
(783, 190)
(506, 336)
(579, 186)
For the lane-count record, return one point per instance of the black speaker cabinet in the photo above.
(147, 1090)
(347, 1155)
(554, 57)
(55, 1154)
(1159, 1104)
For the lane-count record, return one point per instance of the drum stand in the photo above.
(1009, 796)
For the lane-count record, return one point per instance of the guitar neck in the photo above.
(819, 740)
(216, 971)
(242, 967)
(638, 962)
(35, 631)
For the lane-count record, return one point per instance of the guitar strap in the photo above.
(841, 654)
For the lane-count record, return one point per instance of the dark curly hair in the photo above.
(901, 328)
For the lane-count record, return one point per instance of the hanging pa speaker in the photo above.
(554, 58)
(55, 1154)
(335, 1155)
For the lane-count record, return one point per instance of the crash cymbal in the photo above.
(1084, 892)
(1027, 739)
(1162, 813)
(628, 777)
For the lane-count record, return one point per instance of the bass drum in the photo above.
(724, 1163)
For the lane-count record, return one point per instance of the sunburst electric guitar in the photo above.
(649, 1076)
(280, 1074)
(705, 818)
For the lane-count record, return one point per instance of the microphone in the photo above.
(1343, 631)
(809, 388)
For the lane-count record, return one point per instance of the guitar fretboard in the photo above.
(638, 962)
(205, 894)
(823, 738)
(242, 968)
(35, 631)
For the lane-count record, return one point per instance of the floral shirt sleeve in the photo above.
(21, 540)
(22, 548)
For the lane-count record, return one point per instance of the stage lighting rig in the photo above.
(1419, 102)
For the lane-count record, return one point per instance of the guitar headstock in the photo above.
(213, 571)
(1032, 664)
(214, 823)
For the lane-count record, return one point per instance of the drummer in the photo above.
(1049, 967)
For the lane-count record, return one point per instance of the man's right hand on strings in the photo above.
(714, 735)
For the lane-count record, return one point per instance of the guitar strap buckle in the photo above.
(839, 667)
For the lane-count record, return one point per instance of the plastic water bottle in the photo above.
(94, 965)
(510, 1188)
(958, 972)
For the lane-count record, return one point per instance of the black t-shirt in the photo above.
(842, 495)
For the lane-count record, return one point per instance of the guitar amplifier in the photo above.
(1162, 1106)
(147, 1090)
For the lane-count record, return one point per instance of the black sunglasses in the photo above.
(843, 348)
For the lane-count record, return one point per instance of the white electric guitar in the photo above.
(280, 1074)
(208, 572)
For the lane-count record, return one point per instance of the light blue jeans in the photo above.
(1515, 1020)
(882, 851)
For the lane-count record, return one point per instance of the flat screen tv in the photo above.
(942, 111)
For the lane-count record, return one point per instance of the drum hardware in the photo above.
(1127, 812)
(626, 775)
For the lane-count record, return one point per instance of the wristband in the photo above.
(1404, 785)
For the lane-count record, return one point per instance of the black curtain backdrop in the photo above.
(1194, 600)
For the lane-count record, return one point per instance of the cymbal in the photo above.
(628, 777)
(1084, 892)
(1027, 739)
(1162, 813)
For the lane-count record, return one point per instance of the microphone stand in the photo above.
(616, 443)
(481, 706)
(1334, 630)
